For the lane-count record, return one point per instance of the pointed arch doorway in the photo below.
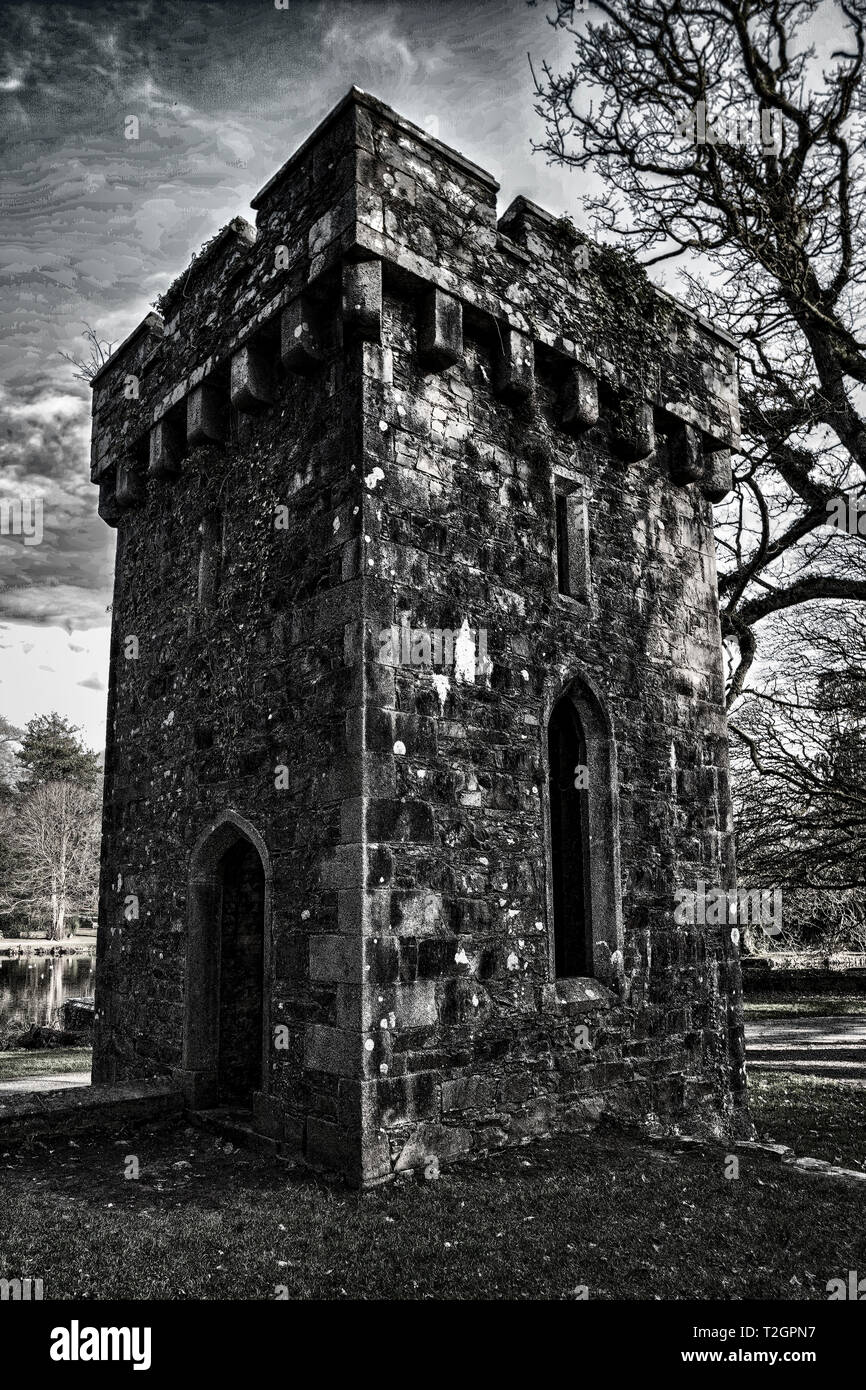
(227, 966)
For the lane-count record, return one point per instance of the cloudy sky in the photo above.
(95, 226)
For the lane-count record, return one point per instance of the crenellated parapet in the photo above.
(369, 200)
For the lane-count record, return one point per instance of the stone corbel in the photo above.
(686, 453)
(205, 415)
(634, 434)
(302, 336)
(440, 330)
(718, 477)
(362, 300)
(579, 400)
(130, 487)
(108, 508)
(251, 380)
(167, 444)
(515, 374)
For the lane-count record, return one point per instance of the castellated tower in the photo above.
(416, 720)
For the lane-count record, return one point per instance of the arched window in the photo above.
(569, 843)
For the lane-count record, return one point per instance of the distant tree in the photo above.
(9, 770)
(797, 760)
(52, 871)
(52, 752)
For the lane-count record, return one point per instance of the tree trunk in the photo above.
(54, 907)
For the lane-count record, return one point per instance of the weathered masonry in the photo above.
(415, 714)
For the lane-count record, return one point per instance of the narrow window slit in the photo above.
(572, 539)
(562, 575)
(210, 559)
(569, 842)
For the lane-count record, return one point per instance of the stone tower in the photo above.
(416, 718)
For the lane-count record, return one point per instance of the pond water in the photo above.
(33, 988)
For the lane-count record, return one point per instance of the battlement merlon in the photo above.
(369, 188)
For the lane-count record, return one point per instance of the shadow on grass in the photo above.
(819, 1117)
(204, 1220)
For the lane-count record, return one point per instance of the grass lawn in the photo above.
(768, 1005)
(626, 1220)
(48, 1061)
(823, 1118)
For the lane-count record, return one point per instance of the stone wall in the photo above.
(356, 419)
(474, 1043)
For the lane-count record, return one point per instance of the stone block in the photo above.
(335, 959)
(515, 370)
(198, 1087)
(408, 1099)
(205, 415)
(538, 1118)
(362, 300)
(363, 912)
(108, 509)
(167, 447)
(440, 330)
(420, 913)
(634, 435)
(414, 1005)
(332, 1050)
(467, 1093)
(430, 1141)
(515, 1089)
(251, 380)
(383, 960)
(344, 868)
(686, 453)
(579, 400)
(289, 955)
(302, 336)
(718, 476)
(584, 1114)
(130, 486)
(100, 456)
(400, 820)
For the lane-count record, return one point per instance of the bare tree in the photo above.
(53, 871)
(722, 137)
(799, 795)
